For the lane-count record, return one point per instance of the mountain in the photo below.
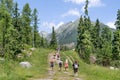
(43, 33)
(67, 33)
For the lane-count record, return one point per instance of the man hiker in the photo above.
(75, 68)
(60, 64)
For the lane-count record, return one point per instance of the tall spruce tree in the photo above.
(80, 31)
(9, 5)
(9, 34)
(117, 23)
(26, 25)
(116, 42)
(16, 21)
(104, 57)
(15, 29)
(84, 45)
(42, 41)
(16, 17)
(53, 42)
(35, 27)
(116, 45)
(96, 35)
(86, 7)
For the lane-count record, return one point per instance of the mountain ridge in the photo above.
(67, 33)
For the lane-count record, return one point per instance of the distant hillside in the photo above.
(67, 33)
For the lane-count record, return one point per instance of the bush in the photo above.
(116, 63)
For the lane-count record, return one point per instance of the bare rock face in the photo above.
(92, 59)
(25, 64)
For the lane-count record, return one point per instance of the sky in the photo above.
(57, 12)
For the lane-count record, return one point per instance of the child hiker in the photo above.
(52, 63)
(66, 64)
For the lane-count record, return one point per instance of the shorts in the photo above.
(75, 70)
(51, 65)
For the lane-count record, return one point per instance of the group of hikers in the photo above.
(56, 58)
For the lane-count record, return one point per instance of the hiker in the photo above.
(66, 64)
(52, 63)
(58, 56)
(75, 67)
(60, 64)
(54, 56)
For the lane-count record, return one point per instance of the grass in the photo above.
(94, 72)
(11, 70)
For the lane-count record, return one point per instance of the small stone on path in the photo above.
(77, 79)
(43, 79)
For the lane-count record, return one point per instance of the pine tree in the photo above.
(79, 37)
(9, 34)
(42, 41)
(84, 45)
(116, 45)
(9, 5)
(16, 17)
(116, 42)
(97, 34)
(16, 21)
(104, 57)
(26, 22)
(117, 23)
(53, 42)
(86, 7)
(35, 27)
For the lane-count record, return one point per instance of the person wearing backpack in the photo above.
(75, 67)
(60, 64)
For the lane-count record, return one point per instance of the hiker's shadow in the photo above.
(71, 75)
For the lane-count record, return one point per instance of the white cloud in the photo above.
(82, 9)
(72, 12)
(95, 3)
(51, 24)
(92, 3)
(48, 24)
(111, 24)
(75, 1)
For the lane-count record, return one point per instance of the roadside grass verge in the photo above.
(11, 70)
(92, 72)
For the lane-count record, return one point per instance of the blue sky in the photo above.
(58, 12)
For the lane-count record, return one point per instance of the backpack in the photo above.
(75, 65)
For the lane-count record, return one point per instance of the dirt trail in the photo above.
(55, 74)
(61, 75)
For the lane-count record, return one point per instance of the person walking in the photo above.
(75, 68)
(66, 64)
(52, 63)
(60, 65)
